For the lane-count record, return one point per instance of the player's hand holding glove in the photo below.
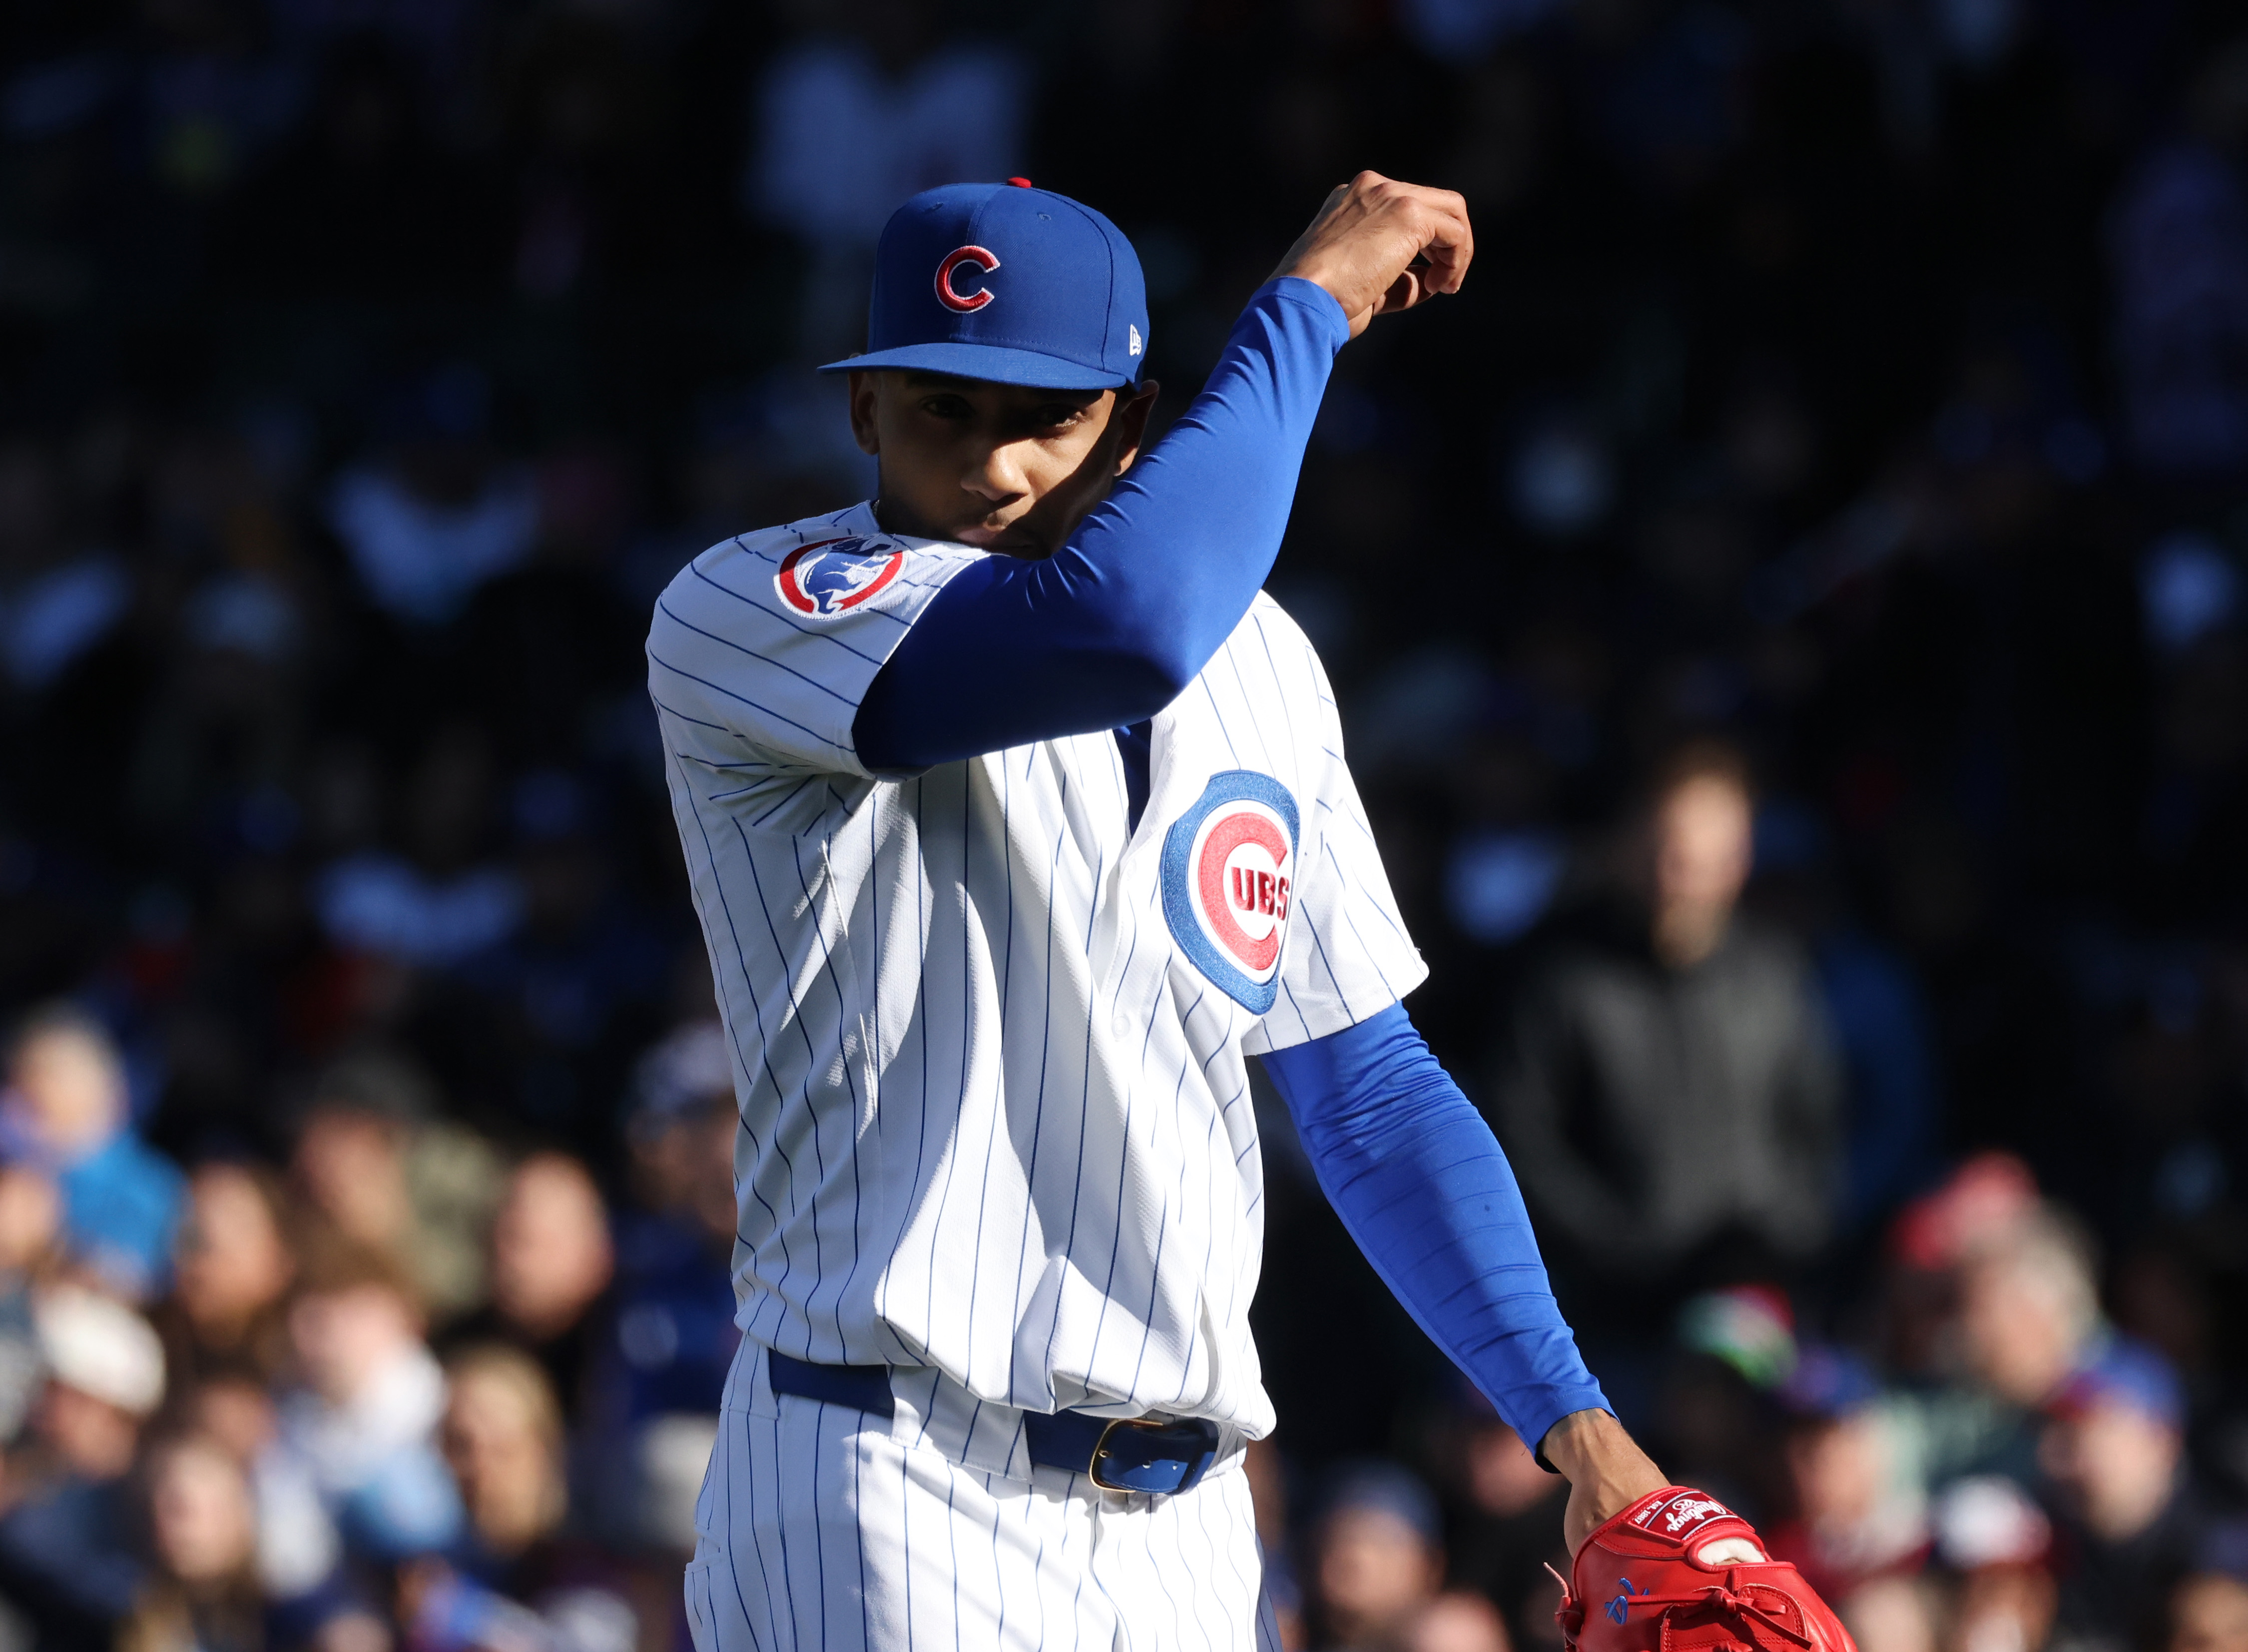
(1679, 1571)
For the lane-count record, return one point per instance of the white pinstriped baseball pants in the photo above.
(822, 1529)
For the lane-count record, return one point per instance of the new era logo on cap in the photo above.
(1006, 283)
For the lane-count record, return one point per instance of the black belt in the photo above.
(1118, 1454)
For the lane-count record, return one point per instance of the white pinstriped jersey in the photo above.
(989, 1040)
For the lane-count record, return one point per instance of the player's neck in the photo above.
(893, 517)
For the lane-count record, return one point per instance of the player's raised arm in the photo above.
(1380, 246)
(1112, 601)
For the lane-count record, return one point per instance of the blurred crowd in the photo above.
(1809, 773)
(397, 1389)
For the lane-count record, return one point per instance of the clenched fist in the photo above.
(1380, 246)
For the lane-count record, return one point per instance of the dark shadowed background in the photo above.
(1849, 402)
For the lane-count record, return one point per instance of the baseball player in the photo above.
(1016, 819)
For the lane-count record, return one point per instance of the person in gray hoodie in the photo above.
(1667, 1084)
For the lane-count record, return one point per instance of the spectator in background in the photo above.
(552, 1263)
(349, 1165)
(503, 1436)
(1859, 1511)
(555, 989)
(67, 1112)
(204, 1593)
(1993, 1307)
(1668, 1093)
(231, 1269)
(502, 1440)
(1510, 1525)
(68, 1558)
(650, 1411)
(374, 1163)
(435, 515)
(1996, 1546)
(1971, 1212)
(2029, 1307)
(675, 1333)
(354, 1471)
(1377, 1557)
(2113, 1452)
(2208, 1613)
(1454, 1622)
(233, 1406)
(1268, 1491)
(439, 1610)
(682, 1106)
(445, 899)
(2027, 1318)
(31, 1226)
(1897, 1612)
(1714, 1410)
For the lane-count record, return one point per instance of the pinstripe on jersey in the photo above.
(994, 1119)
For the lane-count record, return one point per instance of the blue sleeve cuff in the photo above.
(1295, 290)
(1539, 1422)
(1422, 1184)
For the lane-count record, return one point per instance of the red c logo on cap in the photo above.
(982, 259)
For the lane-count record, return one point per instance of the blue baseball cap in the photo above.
(1007, 283)
(1828, 1382)
(2126, 1373)
(1380, 1486)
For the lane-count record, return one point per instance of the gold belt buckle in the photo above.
(1152, 1425)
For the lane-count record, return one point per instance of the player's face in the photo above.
(999, 466)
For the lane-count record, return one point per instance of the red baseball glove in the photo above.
(1641, 1585)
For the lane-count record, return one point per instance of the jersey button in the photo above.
(1119, 1024)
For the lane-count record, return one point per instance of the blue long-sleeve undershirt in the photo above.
(1106, 631)
(1422, 1184)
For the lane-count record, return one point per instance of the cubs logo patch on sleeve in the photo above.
(830, 577)
(1229, 876)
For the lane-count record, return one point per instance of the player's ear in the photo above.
(866, 389)
(1130, 420)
